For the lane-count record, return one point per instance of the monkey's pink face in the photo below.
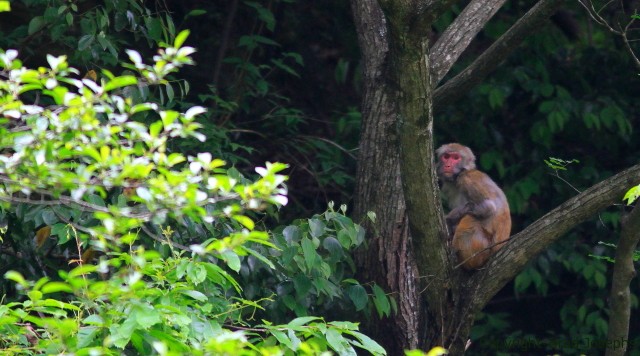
(450, 164)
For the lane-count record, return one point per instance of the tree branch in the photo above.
(622, 32)
(623, 273)
(459, 85)
(525, 245)
(456, 38)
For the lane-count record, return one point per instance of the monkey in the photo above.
(479, 221)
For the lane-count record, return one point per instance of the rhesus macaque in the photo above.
(479, 219)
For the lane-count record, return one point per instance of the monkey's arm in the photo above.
(456, 214)
(482, 210)
(484, 197)
(454, 217)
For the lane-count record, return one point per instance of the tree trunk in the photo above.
(623, 272)
(387, 258)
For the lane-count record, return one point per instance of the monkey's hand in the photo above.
(455, 215)
(452, 221)
(451, 228)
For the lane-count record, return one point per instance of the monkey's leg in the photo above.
(470, 243)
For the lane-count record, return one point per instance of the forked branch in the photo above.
(618, 30)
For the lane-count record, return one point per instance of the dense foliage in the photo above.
(103, 191)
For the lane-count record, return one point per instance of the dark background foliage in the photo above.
(281, 82)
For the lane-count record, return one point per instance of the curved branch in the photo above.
(459, 85)
(456, 38)
(525, 245)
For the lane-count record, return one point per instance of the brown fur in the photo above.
(479, 218)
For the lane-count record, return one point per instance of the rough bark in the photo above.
(623, 272)
(387, 259)
(457, 37)
(411, 73)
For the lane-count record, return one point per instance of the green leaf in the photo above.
(317, 227)
(334, 247)
(35, 25)
(338, 343)
(631, 195)
(264, 14)
(309, 253)
(49, 217)
(86, 335)
(197, 273)
(285, 67)
(358, 296)
(381, 301)
(302, 285)
(154, 28)
(232, 260)
(252, 41)
(119, 82)
(58, 304)
(345, 237)
(5, 6)
(92, 152)
(34, 295)
(196, 12)
(147, 316)
(85, 42)
(182, 36)
(304, 320)
(292, 234)
(195, 295)
(62, 231)
(282, 338)
(16, 277)
(169, 117)
(245, 221)
(522, 281)
(181, 269)
(55, 287)
(95, 200)
(82, 270)
(260, 257)
(155, 128)
(170, 92)
(368, 343)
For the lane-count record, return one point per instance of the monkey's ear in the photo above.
(471, 158)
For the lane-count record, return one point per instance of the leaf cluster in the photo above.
(105, 181)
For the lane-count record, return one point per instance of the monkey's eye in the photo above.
(454, 156)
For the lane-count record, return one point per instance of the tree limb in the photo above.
(524, 246)
(456, 38)
(459, 85)
(620, 297)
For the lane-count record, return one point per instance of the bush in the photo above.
(153, 238)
